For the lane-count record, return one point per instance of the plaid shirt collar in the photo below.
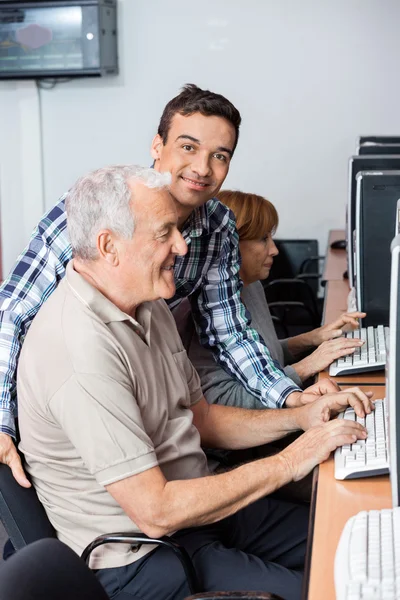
(197, 223)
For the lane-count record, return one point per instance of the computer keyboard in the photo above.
(367, 561)
(367, 457)
(371, 356)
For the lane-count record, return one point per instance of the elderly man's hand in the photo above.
(329, 405)
(9, 456)
(315, 446)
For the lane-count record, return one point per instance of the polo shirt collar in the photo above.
(104, 308)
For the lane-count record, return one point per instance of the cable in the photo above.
(50, 83)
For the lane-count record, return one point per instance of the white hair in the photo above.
(101, 200)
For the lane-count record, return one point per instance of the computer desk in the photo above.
(335, 261)
(334, 502)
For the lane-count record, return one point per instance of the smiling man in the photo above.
(196, 139)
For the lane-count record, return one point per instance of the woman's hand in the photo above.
(345, 322)
(324, 355)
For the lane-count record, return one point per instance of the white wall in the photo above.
(21, 189)
(308, 78)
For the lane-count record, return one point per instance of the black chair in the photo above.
(48, 570)
(292, 287)
(297, 259)
(293, 302)
(280, 327)
(25, 521)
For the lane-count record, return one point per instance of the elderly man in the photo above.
(112, 416)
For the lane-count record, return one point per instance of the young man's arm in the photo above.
(34, 277)
(223, 325)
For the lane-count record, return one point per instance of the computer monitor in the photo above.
(357, 164)
(379, 149)
(392, 374)
(376, 212)
(397, 225)
(378, 139)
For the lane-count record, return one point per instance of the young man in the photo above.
(112, 415)
(196, 139)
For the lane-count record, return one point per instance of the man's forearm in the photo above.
(299, 344)
(173, 505)
(235, 428)
(9, 351)
(207, 500)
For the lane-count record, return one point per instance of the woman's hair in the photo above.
(255, 216)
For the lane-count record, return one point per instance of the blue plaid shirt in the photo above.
(208, 274)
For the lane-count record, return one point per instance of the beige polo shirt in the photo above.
(101, 397)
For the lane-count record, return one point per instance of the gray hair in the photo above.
(101, 200)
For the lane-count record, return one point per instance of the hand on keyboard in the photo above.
(371, 356)
(316, 444)
(329, 405)
(345, 322)
(312, 393)
(325, 355)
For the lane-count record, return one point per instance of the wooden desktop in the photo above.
(334, 502)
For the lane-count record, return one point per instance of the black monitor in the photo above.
(392, 373)
(357, 164)
(378, 139)
(377, 196)
(379, 149)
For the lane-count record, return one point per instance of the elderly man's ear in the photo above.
(107, 247)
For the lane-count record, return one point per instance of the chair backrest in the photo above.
(292, 254)
(293, 290)
(295, 257)
(21, 512)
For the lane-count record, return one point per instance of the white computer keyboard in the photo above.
(367, 457)
(367, 561)
(371, 356)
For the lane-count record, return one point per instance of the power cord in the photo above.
(50, 83)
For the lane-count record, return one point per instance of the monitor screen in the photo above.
(48, 39)
(357, 164)
(376, 213)
(392, 375)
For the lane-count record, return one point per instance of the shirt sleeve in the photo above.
(294, 376)
(223, 325)
(102, 420)
(34, 277)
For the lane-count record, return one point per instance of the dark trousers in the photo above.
(260, 548)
